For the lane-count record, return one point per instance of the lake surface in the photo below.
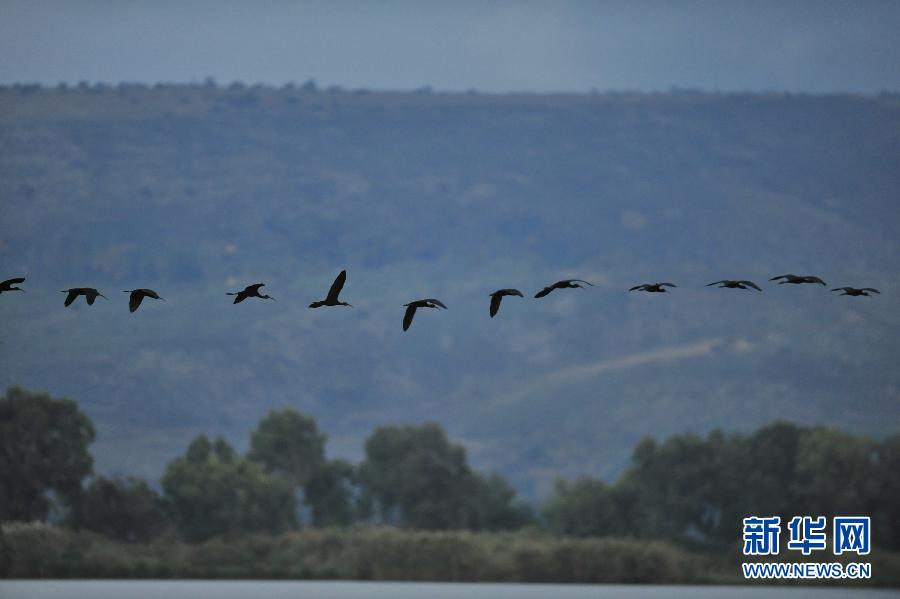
(200, 589)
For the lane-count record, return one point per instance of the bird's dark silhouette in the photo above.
(89, 293)
(413, 306)
(652, 287)
(250, 291)
(797, 280)
(332, 298)
(10, 284)
(138, 295)
(498, 296)
(565, 284)
(853, 291)
(729, 284)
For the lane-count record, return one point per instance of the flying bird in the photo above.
(423, 303)
(89, 293)
(797, 280)
(332, 298)
(853, 291)
(652, 287)
(10, 284)
(729, 284)
(498, 295)
(566, 284)
(138, 295)
(250, 291)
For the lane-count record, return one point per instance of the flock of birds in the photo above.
(136, 296)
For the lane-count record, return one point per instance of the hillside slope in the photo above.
(196, 190)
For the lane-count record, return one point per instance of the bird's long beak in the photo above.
(103, 296)
(163, 299)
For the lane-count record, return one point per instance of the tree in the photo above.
(584, 508)
(288, 443)
(5, 555)
(886, 504)
(835, 474)
(493, 505)
(125, 509)
(768, 469)
(670, 489)
(214, 492)
(43, 453)
(330, 493)
(413, 476)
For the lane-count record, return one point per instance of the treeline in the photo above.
(696, 490)
(689, 490)
(412, 477)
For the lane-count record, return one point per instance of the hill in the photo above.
(198, 190)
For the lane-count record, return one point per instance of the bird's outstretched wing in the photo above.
(436, 302)
(545, 291)
(90, 297)
(254, 288)
(239, 297)
(637, 287)
(577, 281)
(750, 284)
(716, 283)
(667, 285)
(134, 300)
(873, 290)
(11, 282)
(408, 315)
(70, 298)
(495, 303)
(781, 277)
(842, 288)
(336, 287)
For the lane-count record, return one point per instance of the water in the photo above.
(200, 589)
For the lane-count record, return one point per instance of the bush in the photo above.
(123, 509)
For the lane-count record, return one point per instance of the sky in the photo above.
(800, 46)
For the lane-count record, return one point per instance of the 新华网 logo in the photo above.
(807, 534)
